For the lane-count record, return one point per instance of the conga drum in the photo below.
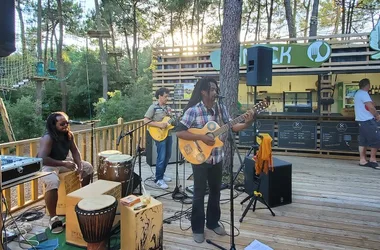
(101, 158)
(95, 217)
(119, 169)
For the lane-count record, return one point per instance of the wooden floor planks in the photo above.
(336, 205)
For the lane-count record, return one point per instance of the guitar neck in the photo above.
(225, 127)
(257, 108)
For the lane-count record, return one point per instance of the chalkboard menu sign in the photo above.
(297, 134)
(263, 126)
(342, 136)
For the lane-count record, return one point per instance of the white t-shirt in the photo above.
(361, 113)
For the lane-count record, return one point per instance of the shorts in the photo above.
(51, 181)
(369, 134)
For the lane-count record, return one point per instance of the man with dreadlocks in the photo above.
(201, 109)
(54, 149)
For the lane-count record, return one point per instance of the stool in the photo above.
(68, 182)
(142, 229)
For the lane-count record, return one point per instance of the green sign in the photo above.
(374, 41)
(303, 55)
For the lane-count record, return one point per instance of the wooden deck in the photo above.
(336, 205)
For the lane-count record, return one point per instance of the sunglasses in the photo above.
(63, 124)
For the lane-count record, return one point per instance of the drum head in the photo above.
(109, 153)
(119, 158)
(96, 202)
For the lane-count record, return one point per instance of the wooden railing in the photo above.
(90, 142)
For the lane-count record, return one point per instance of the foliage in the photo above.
(130, 106)
(25, 123)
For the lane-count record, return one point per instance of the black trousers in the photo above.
(203, 174)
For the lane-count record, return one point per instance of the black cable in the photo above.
(14, 221)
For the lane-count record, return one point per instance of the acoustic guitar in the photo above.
(197, 152)
(160, 134)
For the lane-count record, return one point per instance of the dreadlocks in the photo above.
(51, 125)
(202, 84)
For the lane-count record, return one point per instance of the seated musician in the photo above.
(201, 109)
(155, 114)
(54, 149)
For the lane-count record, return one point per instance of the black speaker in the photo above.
(151, 150)
(7, 28)
(259, 66)
(275, 186)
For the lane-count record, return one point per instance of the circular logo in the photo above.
(297, 125)
(319, 51)
(341, 127)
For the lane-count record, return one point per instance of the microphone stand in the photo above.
(232, 228)
(138, 151)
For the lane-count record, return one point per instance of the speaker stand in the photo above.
(253, 199)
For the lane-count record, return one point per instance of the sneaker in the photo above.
(161, 184)
(219, 231)
(55, 225)
(167, 179)
(198, 238)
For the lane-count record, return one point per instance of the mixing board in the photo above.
(14, 168)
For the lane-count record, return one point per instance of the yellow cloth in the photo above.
(263, 158)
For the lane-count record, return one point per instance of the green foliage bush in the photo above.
(24, 120)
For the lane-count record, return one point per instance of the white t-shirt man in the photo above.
(361, 113)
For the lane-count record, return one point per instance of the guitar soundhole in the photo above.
(188, 149)
(211, 126)
(200, 157)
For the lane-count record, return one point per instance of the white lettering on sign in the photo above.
(283, 54)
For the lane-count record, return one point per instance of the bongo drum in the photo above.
(101, 157)
(119, 169)
(95, 217)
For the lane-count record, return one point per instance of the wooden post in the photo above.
(6, 121)
(120, 128)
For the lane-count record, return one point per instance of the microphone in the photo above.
(220, 96)
(119, 138)
(75, 122)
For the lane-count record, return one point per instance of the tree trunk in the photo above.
(290, 19)
(61, 73)
(22, 30)
(114, 45)
(249, 20)
(103, 56)
(128, 49)
(257, 29)
(134, 46)
(192, 22)
(307, 9)
(337, 19)
(219, 15)
(229, 70)
(269, 17)
(314, 20)
(343, 16)
(172, 27)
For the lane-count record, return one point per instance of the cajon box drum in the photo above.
(68, 182)
(73, 232)
(142, 229)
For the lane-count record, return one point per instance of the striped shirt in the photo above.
(197, 116)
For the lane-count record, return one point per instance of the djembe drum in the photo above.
(119, 168)
(95, 217)
(102, 156)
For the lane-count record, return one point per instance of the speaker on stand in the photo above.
(259, 66)
(7, 28)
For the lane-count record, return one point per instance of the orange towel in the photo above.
(263, 158)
